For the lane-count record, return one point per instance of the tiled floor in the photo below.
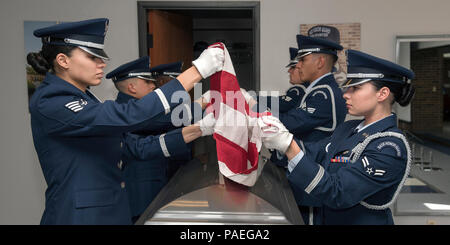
(426, 188)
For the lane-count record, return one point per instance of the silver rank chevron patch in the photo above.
(76, 105)
(311, 110)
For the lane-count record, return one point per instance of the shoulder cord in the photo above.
(357, 151)
(333, 107)
(296, 87)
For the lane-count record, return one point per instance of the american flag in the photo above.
(237, 136)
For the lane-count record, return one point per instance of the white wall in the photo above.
(21, 182)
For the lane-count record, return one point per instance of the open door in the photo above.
(169, 31)
(171, 36)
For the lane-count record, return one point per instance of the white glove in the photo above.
(207, 124)
(210, 61)
(274, 134)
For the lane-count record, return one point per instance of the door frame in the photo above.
(254, 6)
(409, 122)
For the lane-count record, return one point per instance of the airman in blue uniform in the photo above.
(148, 154)
(358, 172)
(78, 138)
(321, 109)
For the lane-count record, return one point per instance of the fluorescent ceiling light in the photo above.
(436, 206)
(446, 55)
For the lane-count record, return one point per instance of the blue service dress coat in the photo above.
(286, 102)
(78, 141)
(316, 117)
(344, 188)
(319, 112)
(146, 158)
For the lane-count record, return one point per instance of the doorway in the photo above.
(428, 115)
(426, 56)
(174, 31)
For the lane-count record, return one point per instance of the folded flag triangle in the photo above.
(236, 133)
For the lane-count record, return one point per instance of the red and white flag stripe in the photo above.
(238, 140)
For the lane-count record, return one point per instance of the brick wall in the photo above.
(446, 79)
(350, 34)
(446, 85)
(427, 105)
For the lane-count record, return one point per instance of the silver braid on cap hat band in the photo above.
(171, 74)
(358, 150)
(134, 74)
(142, 75)
(365, 75)
(308, 50)
(83, 43)
(146, 78)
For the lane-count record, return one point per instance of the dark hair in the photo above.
(330, 59)
(403, 93)
(42, 61)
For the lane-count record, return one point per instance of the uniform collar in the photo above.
(93, 96)
(378, 126)
(302, 85)
(355, 138)
(123, 98)
(310, 87)
(51, 78)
